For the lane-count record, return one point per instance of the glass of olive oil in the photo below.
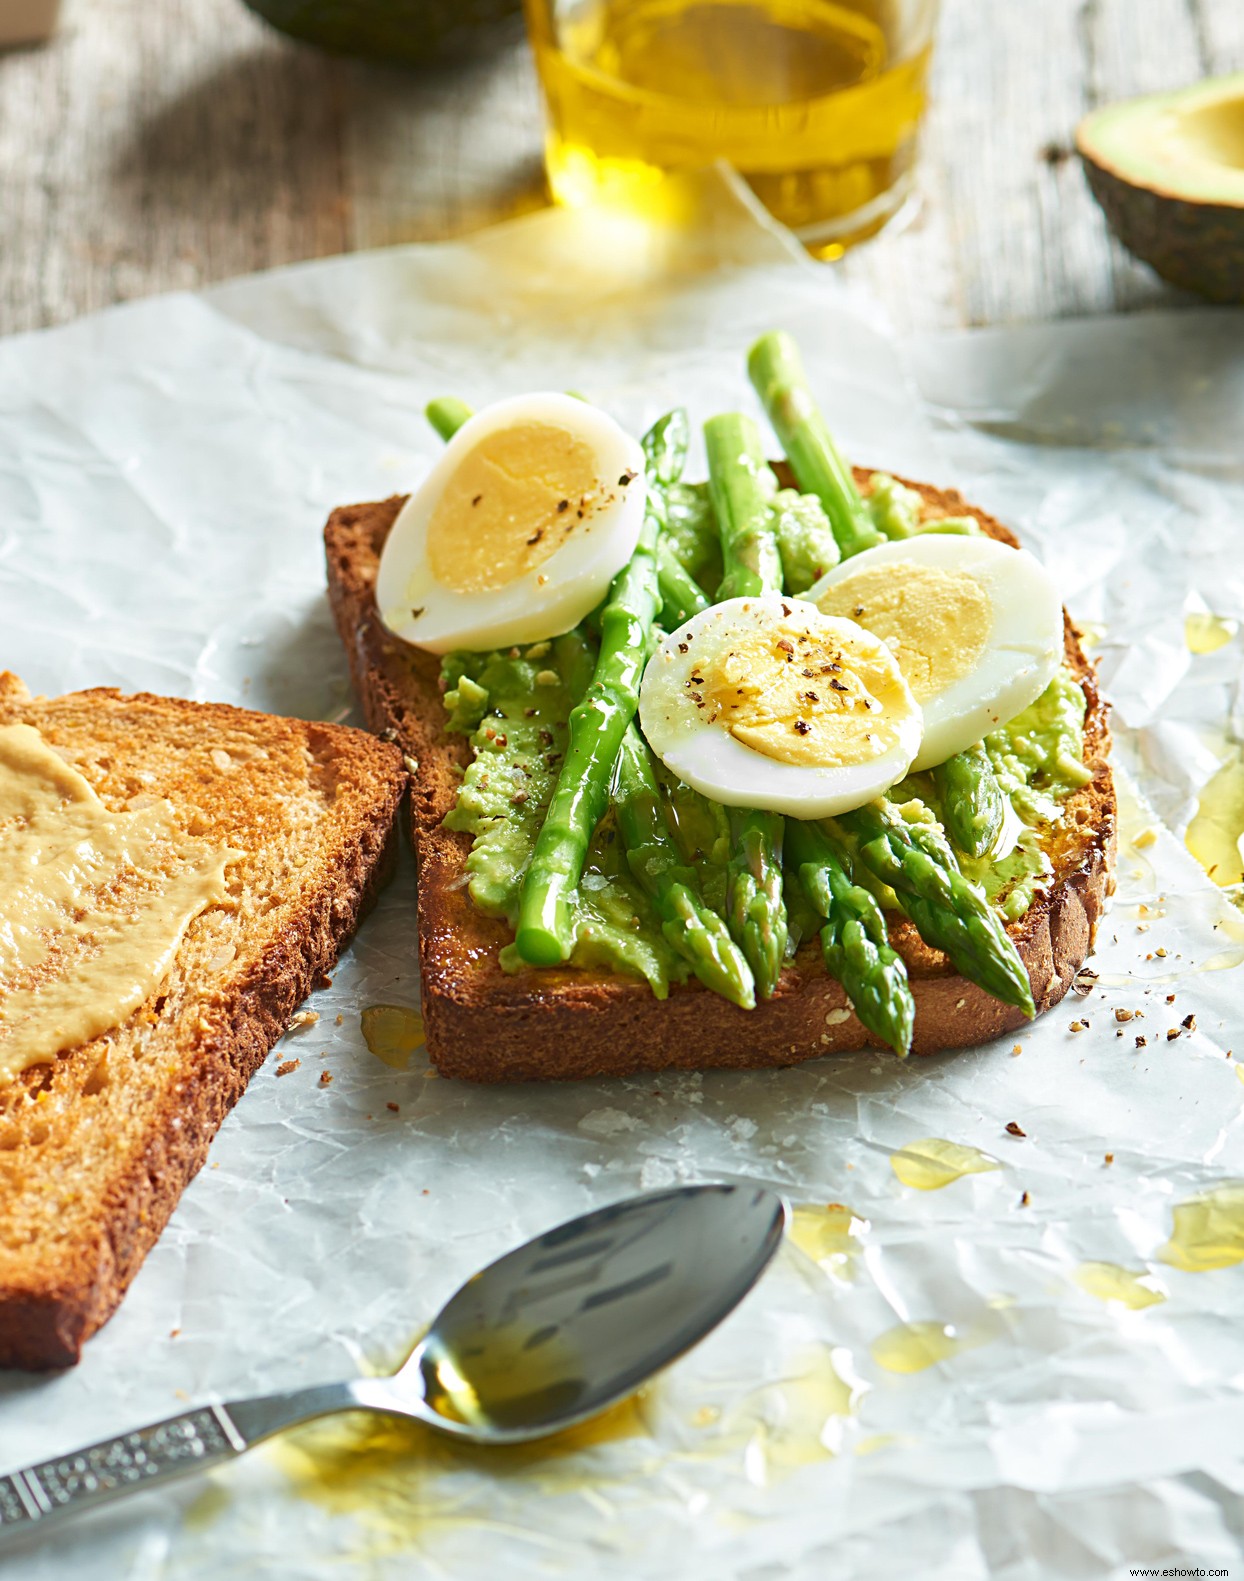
(817, 103)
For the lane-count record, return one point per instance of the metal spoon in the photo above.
(545, 1337)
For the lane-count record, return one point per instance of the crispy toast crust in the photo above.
(164, 1102)
(484, 1025)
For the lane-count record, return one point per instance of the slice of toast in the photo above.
(484, 1025)
(97, 1147)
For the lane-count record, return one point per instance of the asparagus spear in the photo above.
(854, 941)
(665, 454)
(972, 801)
(691, 531)
(681, 596)
(665, 448)
(691, 926)
(742, 489)
(949, 912)
(775, 369)
(755, 908)
(598, 722)
(447, 415)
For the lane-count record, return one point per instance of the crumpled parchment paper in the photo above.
(165, 469)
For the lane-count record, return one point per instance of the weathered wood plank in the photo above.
(158, 146)
(439, 153)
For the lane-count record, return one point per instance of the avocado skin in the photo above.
(1198, 246)
(406, 32)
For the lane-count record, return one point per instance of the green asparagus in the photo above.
(447, 415)
(949, 912)
(665, 455)
(776, 371)
(854, 941)
(972, 802)
(545, 934)
(681, 596)
(742, 489)
(665, 448)
(755, 908)
(691, 532)
(691, 926)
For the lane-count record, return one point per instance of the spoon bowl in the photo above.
(545, 1337)
(578, 1318)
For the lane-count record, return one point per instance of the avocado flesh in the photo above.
(407, 32)
(1168, 171)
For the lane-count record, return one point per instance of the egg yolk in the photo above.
(937, 622)
(512, 503)
(823, 696)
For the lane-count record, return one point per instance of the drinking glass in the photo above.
(817, 103)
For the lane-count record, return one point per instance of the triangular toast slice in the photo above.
(97, 1147)
(485, 1025)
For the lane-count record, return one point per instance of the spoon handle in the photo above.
(41, 1496)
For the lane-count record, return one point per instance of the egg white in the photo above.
(707, 757)
(553, 597)
(1023, 649)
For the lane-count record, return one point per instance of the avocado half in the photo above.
(407, 32)
(1168, 171)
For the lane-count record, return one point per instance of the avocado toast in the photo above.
(501, 1007)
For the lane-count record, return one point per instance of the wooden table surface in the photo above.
(158, 144)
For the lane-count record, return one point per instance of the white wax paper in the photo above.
(165, 470)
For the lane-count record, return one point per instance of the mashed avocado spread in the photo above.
(514, 705)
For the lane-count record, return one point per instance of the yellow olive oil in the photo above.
(932, 1163)
(1215, 835)
(392, 1033)
(816, 102)
(1208, 1231)
(831, 1236)
(911, 1347)
(1206, 633)
(1125, 1287)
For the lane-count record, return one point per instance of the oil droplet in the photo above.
(207, 1508)
(392, 1033)
(911, 1347)
(1127, 1287)
(1208, 1230)
(406, 1484)
(1091, 634)
(796, 1421)
(932, 1163)
(1206, 633)
(1214, 834)
(829, 1235)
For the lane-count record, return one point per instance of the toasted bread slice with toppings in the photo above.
(485, 1025)
(97, 1146)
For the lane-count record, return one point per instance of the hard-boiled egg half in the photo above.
(765, 702)
(517, 531)
(976, 626)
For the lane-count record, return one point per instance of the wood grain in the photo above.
(158, 146)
